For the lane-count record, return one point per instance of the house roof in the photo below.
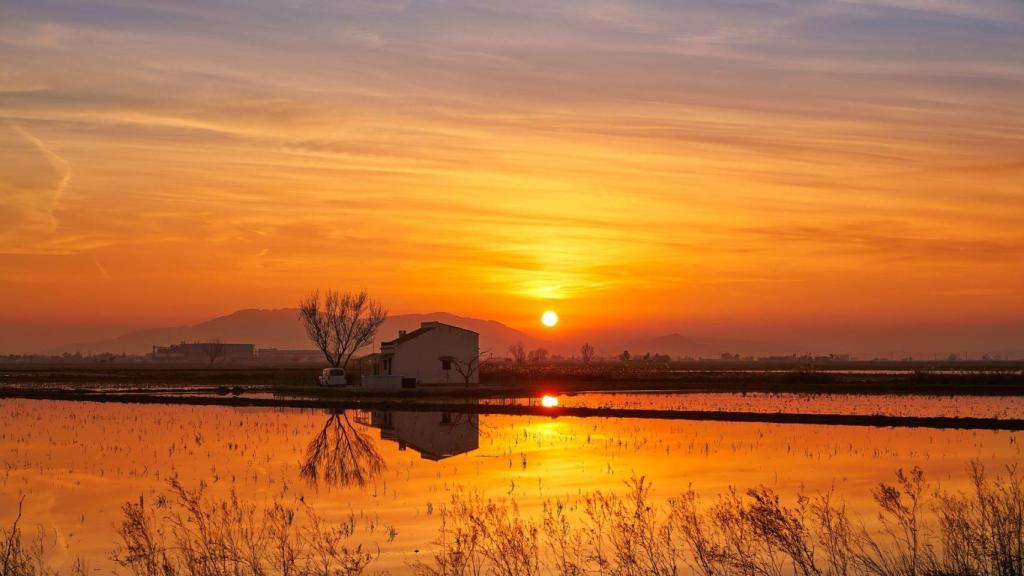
(410, 335)
(423, 329)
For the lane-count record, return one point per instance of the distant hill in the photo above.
(676, 345)
(281, 329)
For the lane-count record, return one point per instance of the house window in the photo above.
(446, 363)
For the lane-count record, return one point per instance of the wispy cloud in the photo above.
(516, 150)
(59, 164)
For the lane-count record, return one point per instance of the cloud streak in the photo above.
(631, 159)
(60, 166)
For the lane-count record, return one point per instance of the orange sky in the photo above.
(628, 164)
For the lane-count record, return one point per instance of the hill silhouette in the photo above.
(280, 328)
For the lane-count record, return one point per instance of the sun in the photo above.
(549, 318)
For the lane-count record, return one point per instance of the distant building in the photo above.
(289, 356)
(434, 353)
(202, 352)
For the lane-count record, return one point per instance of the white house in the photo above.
(434, 353)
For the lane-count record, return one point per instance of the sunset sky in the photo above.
(729, 168)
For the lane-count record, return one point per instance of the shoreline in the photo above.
(997, 380)
(449, 404)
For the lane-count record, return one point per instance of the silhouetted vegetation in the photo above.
(213, 349)
(194, 535)
(341, 323)
(21, 555)
(587, 352)
(919, 532)
(467, 368)
(518, 353)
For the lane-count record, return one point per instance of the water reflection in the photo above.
(434, 435)
(79, 469)
(341, 454)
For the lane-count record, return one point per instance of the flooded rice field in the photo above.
(1000, 407)
(386, 475)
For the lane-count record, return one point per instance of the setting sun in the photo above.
(549, 318)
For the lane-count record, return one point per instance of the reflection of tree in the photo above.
(464, 419)
(341, 454)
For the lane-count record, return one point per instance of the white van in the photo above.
(332, 377)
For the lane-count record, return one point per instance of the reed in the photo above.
(919, 530)
(191, 534)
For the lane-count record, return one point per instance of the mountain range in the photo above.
(281, 329)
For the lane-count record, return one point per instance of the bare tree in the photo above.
(538, 356)
(587, 352)
(466, 368)
(213, 349)
(339, 324)
(518, 353)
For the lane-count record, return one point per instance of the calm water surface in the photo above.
(760, 402)
(78, 463)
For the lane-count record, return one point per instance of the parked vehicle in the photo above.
(333, 377)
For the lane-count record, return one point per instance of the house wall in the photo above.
(420, 357)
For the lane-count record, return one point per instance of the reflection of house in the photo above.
(434, 353)
(435, 435)
(203, 351)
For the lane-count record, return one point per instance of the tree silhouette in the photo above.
(466, 368)
(587, 352)
(213, 349)
(339, 324)
(537, 356)
(518, 353)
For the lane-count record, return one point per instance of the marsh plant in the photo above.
(918, 531)
(24, 555)
(191, 534)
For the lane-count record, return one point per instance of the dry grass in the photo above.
(984, 528)
(21, 555)
(482, 537)
(920, 531)
(194, 535)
